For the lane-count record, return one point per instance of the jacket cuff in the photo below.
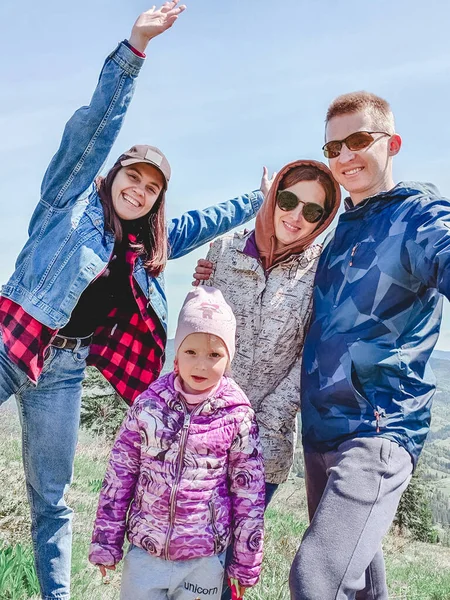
(256, 198)
(245, 579)
(135, 50)
(127, 60)
(104, 555)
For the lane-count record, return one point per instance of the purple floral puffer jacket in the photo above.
(183, 485)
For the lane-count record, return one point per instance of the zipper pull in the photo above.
(377, 419)
(187, 420)
(355, 247)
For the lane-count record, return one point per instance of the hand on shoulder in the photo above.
(203, 271)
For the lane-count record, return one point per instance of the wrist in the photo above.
(138, 42)
(133, 49)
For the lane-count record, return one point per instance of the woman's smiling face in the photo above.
(135, 190)
(290, 226)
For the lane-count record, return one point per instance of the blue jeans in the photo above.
(50, 416)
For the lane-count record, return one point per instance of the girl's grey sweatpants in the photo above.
(145, 577)
(353, 494)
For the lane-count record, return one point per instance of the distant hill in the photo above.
(442, 354)
(436, 357)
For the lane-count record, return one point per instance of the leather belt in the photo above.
(69, 343)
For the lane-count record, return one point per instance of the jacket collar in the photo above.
(247, 246)
(250, 248)
(404, 190)
(226, 395)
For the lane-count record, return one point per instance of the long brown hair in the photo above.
(151, 242)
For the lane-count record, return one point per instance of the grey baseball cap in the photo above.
(150, 155)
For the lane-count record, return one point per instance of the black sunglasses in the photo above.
(311, 212)
(355, 141)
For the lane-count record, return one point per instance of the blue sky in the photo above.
(234, 85)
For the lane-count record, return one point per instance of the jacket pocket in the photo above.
(360, 368)
(373, 412)
(64, 253)
(357, 388)
(49, 355)
(368, 410)
(219, 540)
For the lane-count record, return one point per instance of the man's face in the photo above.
(366, 172)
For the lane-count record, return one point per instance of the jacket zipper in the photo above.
(376, 413)
(173, 493)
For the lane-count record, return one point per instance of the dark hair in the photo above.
(311, 173)
(151, 242)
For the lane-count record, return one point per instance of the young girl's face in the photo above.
(291, 226)
(135, 190)
(201, 360)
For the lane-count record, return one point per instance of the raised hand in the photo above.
(153, 22)
(203, 271)
(266, 181)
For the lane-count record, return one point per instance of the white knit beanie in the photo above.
(205, 311)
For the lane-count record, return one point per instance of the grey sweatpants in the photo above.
(145, 577)
(353, 494)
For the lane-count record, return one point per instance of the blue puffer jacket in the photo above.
(378, 308)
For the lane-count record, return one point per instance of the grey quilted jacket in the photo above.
(272, 313)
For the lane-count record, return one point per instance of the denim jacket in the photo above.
(68, 246)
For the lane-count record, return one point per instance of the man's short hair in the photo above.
(378, 108)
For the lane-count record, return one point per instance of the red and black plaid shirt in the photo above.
(128, 351)
(25, 338)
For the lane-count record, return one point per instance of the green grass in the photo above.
(415, 571)
(410, 583)
(17, 575)
(283, 533)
